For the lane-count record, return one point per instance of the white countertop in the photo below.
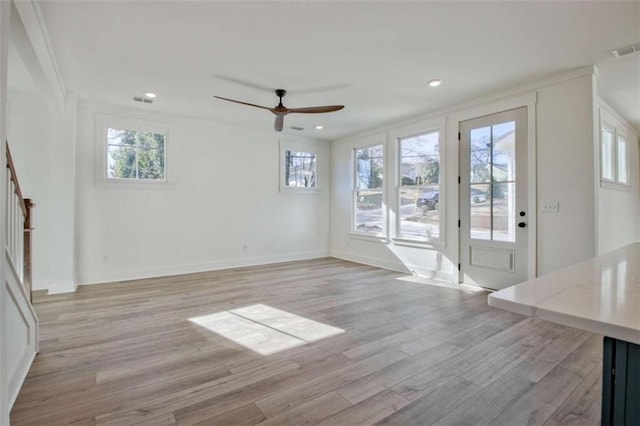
(601, 295)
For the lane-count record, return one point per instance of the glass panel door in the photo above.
(493, 199)
(492, 192)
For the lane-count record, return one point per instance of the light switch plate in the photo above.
(550, 207)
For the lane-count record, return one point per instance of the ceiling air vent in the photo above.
(296, 128)
(144, 100)
(627, 50)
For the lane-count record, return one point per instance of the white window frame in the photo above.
(382, 235)
(110, 121)
(299, 146)
(622, 137)
(607, 121)
(404, 132)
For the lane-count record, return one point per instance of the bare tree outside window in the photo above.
(300, 169)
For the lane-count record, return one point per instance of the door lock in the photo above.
(522, 225)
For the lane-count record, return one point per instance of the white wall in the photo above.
(43, 148)
(30, 134)
(222, 207)
(564, 174)
(618, 206)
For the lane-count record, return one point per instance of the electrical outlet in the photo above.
(550, 207)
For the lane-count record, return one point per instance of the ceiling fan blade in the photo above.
(279, 123)
(244, 83)
(244, 103)
(316, 109)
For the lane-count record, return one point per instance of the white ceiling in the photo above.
(374, 57)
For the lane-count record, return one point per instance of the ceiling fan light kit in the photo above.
(280, 110)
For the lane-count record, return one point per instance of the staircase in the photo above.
(21, 320)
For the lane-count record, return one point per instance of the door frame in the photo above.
(453, 128)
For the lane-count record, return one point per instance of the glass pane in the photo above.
(121, 137)
(122, 146)
(419, 212)
(121, 162)
(504, 211)
(606, 156)
(420, 145)
(151, 164)
(504, 152)
(369, 167)
(300, 169)
(503, 130)
(480, 155)
(369, 211)
(420, 160)
(420, 170)
(480, 208)
(150, 140)
(622, 161)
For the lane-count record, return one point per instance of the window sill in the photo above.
(300, 191)
(373, 238)
(422, 244)
(134, 184)
(617, 186)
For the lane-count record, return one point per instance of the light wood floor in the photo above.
(411, 353)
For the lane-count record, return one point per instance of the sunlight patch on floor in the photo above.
(264, 329)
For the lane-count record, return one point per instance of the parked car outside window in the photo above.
(428, 199)
(431, 199)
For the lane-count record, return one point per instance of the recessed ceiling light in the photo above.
(319, 127)
(150, 94)
(435, 83)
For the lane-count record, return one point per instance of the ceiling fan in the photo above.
(280, 110)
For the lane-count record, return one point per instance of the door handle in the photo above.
(522, 225)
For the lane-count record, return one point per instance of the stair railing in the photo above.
(18, 226)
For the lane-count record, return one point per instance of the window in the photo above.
(614, 162)
(419, 192)
(135, 154)
(607, 153)
(368, 192)
(301, 165)
(300, 169)
(621, 151)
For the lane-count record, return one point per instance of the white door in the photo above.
(493, 199)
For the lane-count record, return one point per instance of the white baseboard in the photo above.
(127, 275)
(394, 265)
(60, 287)
(39, 285)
